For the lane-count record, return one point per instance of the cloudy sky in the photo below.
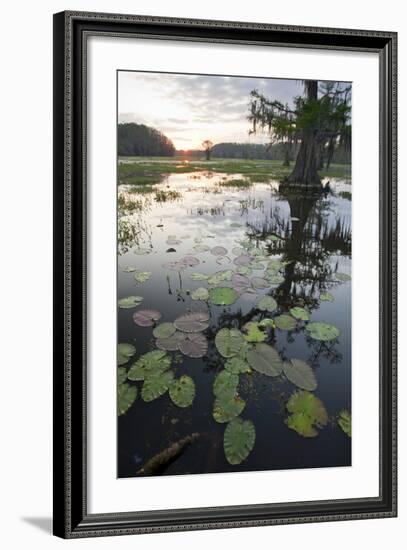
(191, 108)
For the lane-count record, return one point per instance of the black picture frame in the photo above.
(71, 519)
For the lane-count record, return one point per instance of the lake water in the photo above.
(312, 237)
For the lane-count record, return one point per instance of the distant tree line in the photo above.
(141, 140)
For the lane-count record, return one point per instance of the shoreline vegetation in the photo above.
(148, 171)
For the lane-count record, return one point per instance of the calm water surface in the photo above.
(314, 238)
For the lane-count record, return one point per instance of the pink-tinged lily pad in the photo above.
(242, 260)
(240, 282)
(219, 251)
(190, 261)
(260, 283)
(192, 322)
(175, 266)
(171, 343)
(146, 317)
(194, 345)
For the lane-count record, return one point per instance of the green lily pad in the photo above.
(200, 293)
(220, 276)
(142, 276)
(300, 313)
(226, 410)
(267, 323)
(153, 362)
(156, 385)
(126, 395)
(182, 391)
(223, 296)
(129, 269)
(164, 330)
(307, 413)
(121, 375)
(142, 251)
(198, 248)
(322, 331)
(129, 302)
(229, 342)
(244, 270)
(274, 278)
(237, 365)
(265, 359)
(301, 374)
(225, 385)
(253, 333)
(326, 297)
(192, 322)
(267, 303)
(345, 422)
(285, 322)
(238, 440)
(124, 352)
(198, 277)
(343, 277)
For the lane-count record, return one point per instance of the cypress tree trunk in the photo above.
(305, 171)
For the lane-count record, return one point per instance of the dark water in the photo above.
(316, 241)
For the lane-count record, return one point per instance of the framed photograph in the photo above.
(225, 274)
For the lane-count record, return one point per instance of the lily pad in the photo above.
(198, 248)
(343, 277)
(243, 259)
(142, 251)
(200, 293)
(267, 303)
(260, 283)
(223, 296)
(244, 270)
(265, 359)
(220, 276)
(164, 330)
(326, 297)
(238, 250)
(190, 261)
(345, 422)
(307, 413)
(240, 282)
(285, 322)
(267, 323)
(198, 277)
(192, 322)
(171, 343)
(238, 440)
(225, 385)
(237, 365)
(256, 265)
(124, 352)
(152, 362)
(146, 317)
(126, 395)
(274, 278)
(300, 313)
(129, 269)
(229, 342)
(142, 276)
(130, 302)
(322, 331)
(175, 266)
(156, 385)
(194, 345)
(121, 375)
(219, 251)
(226, 410)
(301, 374)
(253, 333)
(182, 391)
